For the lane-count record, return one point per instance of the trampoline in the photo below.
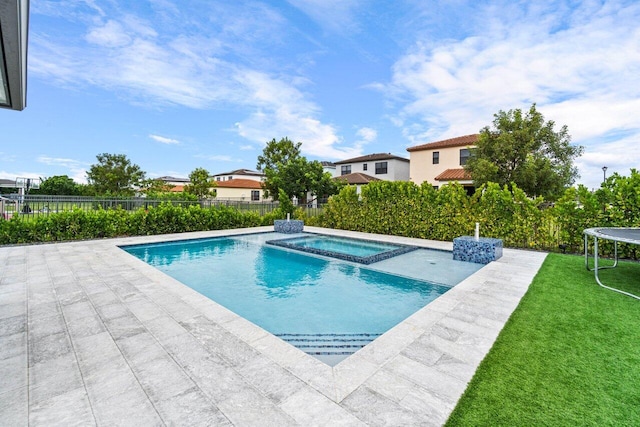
(615, 234)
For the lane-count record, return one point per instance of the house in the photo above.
(240, 189)
(329, 167)
(384, 166)
(441, 162)
(239, 174)
(358, 179)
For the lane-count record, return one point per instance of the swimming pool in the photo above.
(327, 308)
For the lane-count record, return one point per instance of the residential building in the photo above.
(441, 162)
(384, 166)
(329, 167)
(358, 179)
(240, 189)
(239, 174)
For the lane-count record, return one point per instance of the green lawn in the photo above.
(568, 356)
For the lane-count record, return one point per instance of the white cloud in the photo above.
(581, 66)
(334, 15)
(76, 169)
(367, 134)
(164, 140)
(214, 67)
(246, 147)
(110, 35)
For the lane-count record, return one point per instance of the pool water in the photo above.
(327, 308)
(342, 245)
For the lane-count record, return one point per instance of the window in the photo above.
(464, 156)
(230, 178)
(381, 168)
(345, 170)
(217, 178)
(436, 157)
(364, 167)
(255, 195)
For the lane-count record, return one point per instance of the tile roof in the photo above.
(454, 175)
(372, 157)
(452, 142)
(173, 178)
(241, 172)
(239, 183)
(357, 178)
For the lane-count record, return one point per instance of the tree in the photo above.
(199, 185)
(115, 175)
(59, 185)
(525, 150)
(285, 169)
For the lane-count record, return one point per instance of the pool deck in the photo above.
(90, 335)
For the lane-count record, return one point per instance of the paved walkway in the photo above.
(90, 335)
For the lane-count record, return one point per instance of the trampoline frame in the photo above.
(597, 233)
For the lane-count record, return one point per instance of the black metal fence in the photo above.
(35, 205)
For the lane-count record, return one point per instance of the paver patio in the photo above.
(90, 335)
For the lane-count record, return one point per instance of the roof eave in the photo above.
(14, 28)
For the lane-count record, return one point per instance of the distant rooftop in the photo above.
(240, 172)
(357, 178)
(372, 157)
(454, 175)
(173, 179)
(460, 141)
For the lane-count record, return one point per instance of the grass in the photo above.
(569, 355)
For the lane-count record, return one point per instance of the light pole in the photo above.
(604, 171)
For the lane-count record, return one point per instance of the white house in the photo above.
(384, 166)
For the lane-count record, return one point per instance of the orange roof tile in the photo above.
(239, 183)
(453, 175)
(357, 178)
(452, 142)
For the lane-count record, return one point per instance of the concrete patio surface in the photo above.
(90, 335)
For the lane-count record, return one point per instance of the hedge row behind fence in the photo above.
(395, 208)
(406, 209)
(79, 224)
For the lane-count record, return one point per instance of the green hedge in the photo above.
(406, 209)
(79, 224)
(394, 208)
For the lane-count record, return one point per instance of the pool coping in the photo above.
(365, 260)
(415, 371)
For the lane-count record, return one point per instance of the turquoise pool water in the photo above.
(342, 245)
(328, 308)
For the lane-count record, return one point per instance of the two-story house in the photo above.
(384, 166)
(441, 162)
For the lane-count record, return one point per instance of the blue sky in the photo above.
(177, 85)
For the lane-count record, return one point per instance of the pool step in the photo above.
(329, 344)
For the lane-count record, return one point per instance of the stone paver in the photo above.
(90, 335)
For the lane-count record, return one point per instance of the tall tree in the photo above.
(59, 185)
(525, 150)
(115, 175)
(286, 169)
(200, 185)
